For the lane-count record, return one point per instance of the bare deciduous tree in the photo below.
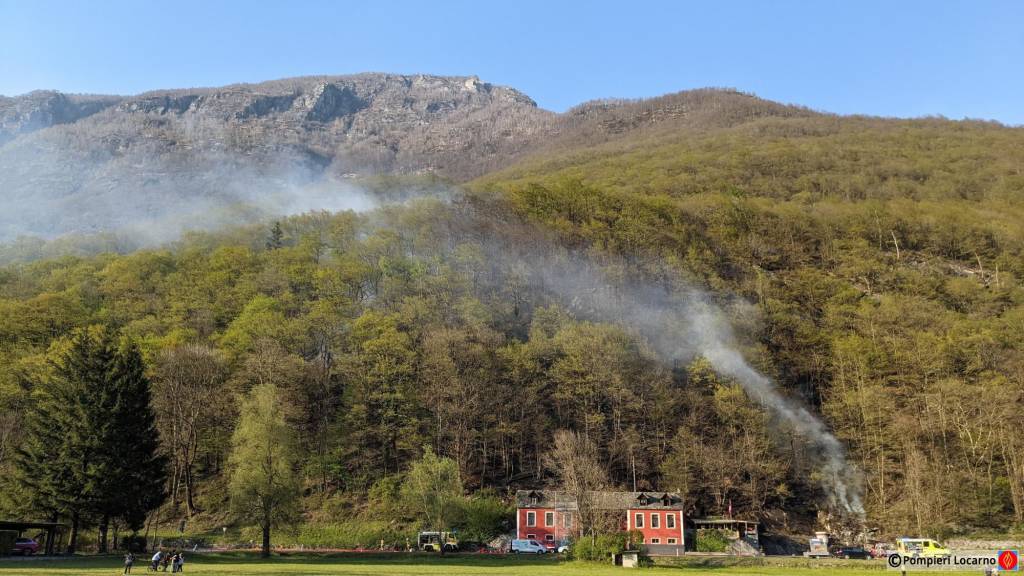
(574, 459)
(188, 379)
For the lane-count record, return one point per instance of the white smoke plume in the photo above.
(165, 200)
(687, 324)
(680, 322)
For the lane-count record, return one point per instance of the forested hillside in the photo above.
(885, 259)
(871, 267)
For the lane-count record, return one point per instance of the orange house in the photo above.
(548, 516)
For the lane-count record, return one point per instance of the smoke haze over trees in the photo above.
(868, 268)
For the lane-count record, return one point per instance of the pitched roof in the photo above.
(721, 521)
(604, 500)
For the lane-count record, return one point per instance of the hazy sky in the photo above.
(892, 58)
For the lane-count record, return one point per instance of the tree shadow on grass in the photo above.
(394, 558)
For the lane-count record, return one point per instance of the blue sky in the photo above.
(892, 58)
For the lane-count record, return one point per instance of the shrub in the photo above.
(602, 546)
(482, 517)
(712, 540)
(384, 498)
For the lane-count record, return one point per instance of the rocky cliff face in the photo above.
(45, 108)
(91, 163)
(362, 123)
(70, 163)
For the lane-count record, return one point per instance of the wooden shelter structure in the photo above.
(54, 531)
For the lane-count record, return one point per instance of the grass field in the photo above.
(246, 564)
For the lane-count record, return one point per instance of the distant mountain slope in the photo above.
(186, 157)
(80, 164)
(788, 153)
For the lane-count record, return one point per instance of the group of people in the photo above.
(174, 559)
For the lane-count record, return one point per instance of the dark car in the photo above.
(25, 546)
(848, 552)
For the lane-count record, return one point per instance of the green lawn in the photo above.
(246, 564)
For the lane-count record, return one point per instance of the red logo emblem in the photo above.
(1008, 559)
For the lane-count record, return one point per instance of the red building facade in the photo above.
(548, 517)
(546, 525)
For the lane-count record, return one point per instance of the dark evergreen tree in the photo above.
(129, 473)
(91, 448)
(59, 459)
(142, 470)
(276, 239)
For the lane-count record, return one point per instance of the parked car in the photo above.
(560, 547)
(528, 547)
(25, 546)
(848, 552)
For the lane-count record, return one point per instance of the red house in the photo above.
(548, 517)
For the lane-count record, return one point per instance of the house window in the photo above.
(531, 519)
(670, 520)
(655, 520)
(638, 520)
(671, 540)
(549, 519)
(655, 540)
(531, 536)
(549, 537)
(566, 519)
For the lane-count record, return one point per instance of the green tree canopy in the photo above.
(264, 485)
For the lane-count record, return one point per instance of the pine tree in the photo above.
(91, 448)
(276, 239)
(137, 471)
(138, 431)
(58, 460)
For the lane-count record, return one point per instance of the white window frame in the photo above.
(549, 537)
(671, 540)
(655, 540)
(549, 519)
(531, 519)
(655, 521)
(638, 520)
(566, 519)
(670, 520)
(531, 536)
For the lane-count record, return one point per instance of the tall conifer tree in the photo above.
(91, 448)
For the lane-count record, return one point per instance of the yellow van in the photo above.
(921, 548)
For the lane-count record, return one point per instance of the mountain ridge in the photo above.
(94, 163)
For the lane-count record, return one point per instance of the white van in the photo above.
(528, 547)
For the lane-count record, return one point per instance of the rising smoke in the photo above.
(687, 324)
(49, 191)
(680, 322)
(150, 197)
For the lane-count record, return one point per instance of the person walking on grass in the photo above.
(155, 561)
(129, 560)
